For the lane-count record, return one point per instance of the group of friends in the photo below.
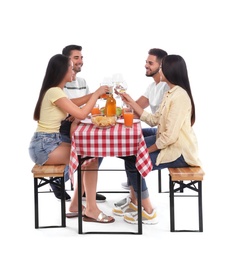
(65, 99)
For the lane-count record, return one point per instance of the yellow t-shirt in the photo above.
(175, 136)
(50, 115)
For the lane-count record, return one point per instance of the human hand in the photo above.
(116, 92)
(126, 98)
(70, 118)
(102, 90)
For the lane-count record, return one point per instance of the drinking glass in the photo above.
(95, 110)
(107, 81)
(128, 117)
(119, 83)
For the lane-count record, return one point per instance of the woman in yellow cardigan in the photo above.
(174, 145)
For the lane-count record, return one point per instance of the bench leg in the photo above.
(172, 210)
(159, 182)
(36, 203)
(36, 213)
(63, 206)
(172, 213)
(200, 206)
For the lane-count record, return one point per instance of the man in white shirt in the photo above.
(155, 91)
(152, 97)
(77, 88)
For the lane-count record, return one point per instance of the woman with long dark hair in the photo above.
(46, 146)
(174, 145)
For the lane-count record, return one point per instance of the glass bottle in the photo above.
(110, 108)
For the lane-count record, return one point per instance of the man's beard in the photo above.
(153, 73)
(77, 69)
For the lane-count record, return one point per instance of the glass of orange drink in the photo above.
(95, 110)
(128, 117)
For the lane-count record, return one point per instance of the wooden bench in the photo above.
(47, 174)
(190, 178)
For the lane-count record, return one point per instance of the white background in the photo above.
(116, 36)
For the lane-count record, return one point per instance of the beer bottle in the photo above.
(110, 108)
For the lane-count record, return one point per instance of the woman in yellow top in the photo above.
(174, 145)
(53, 105)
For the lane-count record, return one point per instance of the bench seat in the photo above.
(186, 178)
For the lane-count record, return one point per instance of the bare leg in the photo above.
(74, 202)
(73, 126)
(60, 155)
(133, 196)
(90, 182)
(146, 204)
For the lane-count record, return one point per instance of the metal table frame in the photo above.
(80, 221)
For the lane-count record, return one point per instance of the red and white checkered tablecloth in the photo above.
(117, 141)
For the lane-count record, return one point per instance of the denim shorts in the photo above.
(42, 144)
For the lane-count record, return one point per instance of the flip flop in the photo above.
(102, 218)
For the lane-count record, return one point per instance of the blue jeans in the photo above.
(131, 171)
(149, 131)
(146, 132)
(42, 144)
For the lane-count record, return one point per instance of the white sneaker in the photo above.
(132, 217)
(124, 206)
(125, 186)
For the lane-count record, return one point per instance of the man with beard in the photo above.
(152, 97)
(77, 88)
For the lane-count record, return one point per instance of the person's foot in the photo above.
(57, 192)
(150, 219)
(73, 213)
(99, 197)
(124, 206)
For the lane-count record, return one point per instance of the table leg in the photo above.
(139, 181)
(80, 221)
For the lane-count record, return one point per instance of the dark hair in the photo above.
(56, 70)
(159, 53)
(68, 49)
(175, 71)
